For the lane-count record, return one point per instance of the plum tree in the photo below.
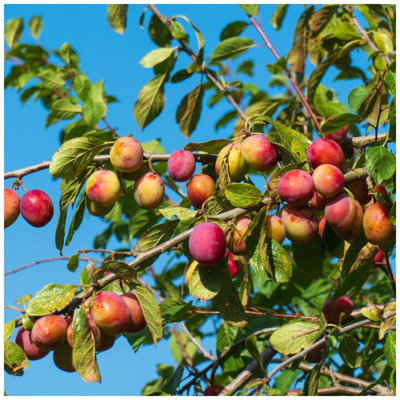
(296, 160)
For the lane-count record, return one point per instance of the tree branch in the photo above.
(288, 73)
(205, 70)
(19, 173)
(381, 390)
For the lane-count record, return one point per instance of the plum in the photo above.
(236, 164)
(207, 244)
(378, 228)
(36, 207)
(24, 340)
(103, 188)
(199, 189)
(126, 155)
(11, 207)
(340, 212)
(325, 151)
(338, 310)
(296, 187)
(149, 191)
(328, 180)
(259, 153)
(181, 165)
(275, 228)
(138, 321)
(49, 331)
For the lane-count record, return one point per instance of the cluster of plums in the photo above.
(303, 194)
(110, 314)
(35, 206)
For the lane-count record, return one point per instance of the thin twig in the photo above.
(205, 70)
(45, 261)
(288, 73)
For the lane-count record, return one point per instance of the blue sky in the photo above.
(106, 55)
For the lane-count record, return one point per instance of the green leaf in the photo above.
(294, 144)
(69, 193)
(13, 31)
(243, 194)
(206, 283)
(82, 86)
(320, 18)
(346, 31)
(176, 350)
(357, 96)
(227, 336)
(174, 380)
(228, 302)
(352, 283)
(181, 213)
(83, 349)
(380, 163)
(116, 15)
(348, 351)
(189, 110)
(9, 329)
(392, 121)
(76, 220)
(278, 15)
(339, 121)
(151, 311)
(35, 26)
(210, 147)
(390, 79)
(156, 56)
(15, 360)
(390, 349)
(156, 235)
(311, 382)
(73, 262)
(50, 299)
(352, 254)
(233, 29)
(64, 109)
(52, 80)
(231, 48)
(74, 156)
(383, 40)
(151, 101)
(251, 346)
(121, 269)
(295, 336)
(69, 55)
(95, 107)
(159, 33)
(174, 311)
(250, 9)
(310, 257)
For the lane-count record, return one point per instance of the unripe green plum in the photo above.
(96, 209)
(149, 191)
(138, 321)
(378, 228)
(259, 153)
(36, 207)
(236, 164)
(328, 180)
(325, 151)
(300, 223)
(275, 228)
(110, 312)
(296, 187)
(207, 244)
(62, 358)
(359, 189)
(181, 165)
(237, 240)
(49, 331)
(340, 212)
(93, 327)
(199, 189)
(338, 310)
(103, 188)
(126, 155)
(24, 340)
(11, 207)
